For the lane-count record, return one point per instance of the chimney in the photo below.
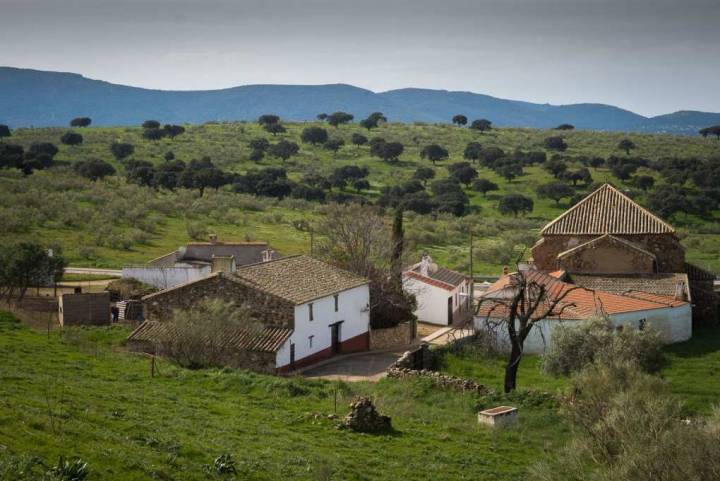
(506, 271)
(213, 238)
(425, 265)
(680, 292)
(224, 264)
(267, 255)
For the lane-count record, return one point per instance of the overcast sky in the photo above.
(649, 56)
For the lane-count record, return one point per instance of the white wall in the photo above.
(353, 310)
(674, 325)
(166, 277)
(433, 301)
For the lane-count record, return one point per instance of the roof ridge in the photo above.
(607, 188)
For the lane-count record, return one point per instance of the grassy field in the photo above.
(109, 224)
(693, 371)
(79, 395)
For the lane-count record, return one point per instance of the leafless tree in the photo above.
(528, 298)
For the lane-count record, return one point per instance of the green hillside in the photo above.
(110, 222)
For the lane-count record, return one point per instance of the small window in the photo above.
(641, 324)
(336, 302)
(310, 341)
(310, 310)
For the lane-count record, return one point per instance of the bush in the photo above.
(573, 348)
(630, 428)
(196, 231)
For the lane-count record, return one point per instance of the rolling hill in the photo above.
(41, 99)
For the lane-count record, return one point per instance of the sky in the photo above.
(648, 56)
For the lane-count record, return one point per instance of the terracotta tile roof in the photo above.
(269, 339)
(661, 284)
(660, 299)
(607, 211)
(579, 303)
(299, 279)
(558, 274)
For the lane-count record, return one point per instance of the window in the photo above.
(310, 310)
(310, 340)
(336, 302)
(641, 324)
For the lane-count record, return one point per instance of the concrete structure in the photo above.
(634, 309)
(608, 238)
(90, 309)
(198, 260)
(498, 417)
(322, 309)
(444, 297)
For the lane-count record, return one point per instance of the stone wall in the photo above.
(270, 310)
(666, 247)
(401, 335)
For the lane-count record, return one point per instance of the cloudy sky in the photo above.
(649, 56)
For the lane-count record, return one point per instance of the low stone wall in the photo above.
(441, 380)
(401, 335)
(416, 364)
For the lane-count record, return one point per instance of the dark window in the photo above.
(311, 311)
(310, 340)
(336, 302)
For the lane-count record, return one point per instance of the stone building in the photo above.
(608, 241)
(309, 309)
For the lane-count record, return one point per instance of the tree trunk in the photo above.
(511, 369)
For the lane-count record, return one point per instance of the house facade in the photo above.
(670, 316)
(312, 310)
(198, 260)
(444, 297)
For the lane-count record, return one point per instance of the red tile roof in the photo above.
(429, 280)
(579, 303)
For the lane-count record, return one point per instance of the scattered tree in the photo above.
(627, 145)
(433, 153)
(26, 265)
(4, 131)
(322, 116)
(515, 204)
(463, 172)
(153, 134)
(275, 129)
(388, 151)
(268, 119)
(565, 127)
(713, 130)
(424, 174)
(473, 151)
(80, 122)
(644, 182)
(173, 131)
(314, 135)
(333, 145)
(484, 186)
(337, 118)
(93, 169)
(555, 191)
(358, 140)
(555, 143)
(481, 125)
(121, 150)
(284, 149)
(151, 124)
(71, 138)
(459, 120)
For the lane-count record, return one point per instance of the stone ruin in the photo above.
(364, 418)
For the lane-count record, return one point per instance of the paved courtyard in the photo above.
(370, 366)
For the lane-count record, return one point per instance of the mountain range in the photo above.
(41, 99)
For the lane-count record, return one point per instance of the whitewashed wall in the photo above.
(674, 325)
(166, 277)
(353, 310)
(431, 301)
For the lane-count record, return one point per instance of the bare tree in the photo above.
(526, 299)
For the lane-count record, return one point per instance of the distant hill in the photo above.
(39, 98)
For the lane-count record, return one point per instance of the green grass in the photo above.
(85, 277)
(69, 212)
(693, 371)
(79, 395)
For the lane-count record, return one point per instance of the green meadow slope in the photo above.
(109, 223)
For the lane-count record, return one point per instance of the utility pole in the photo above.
(312, 241)
(471, 255)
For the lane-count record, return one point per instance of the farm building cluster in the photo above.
(605, 256)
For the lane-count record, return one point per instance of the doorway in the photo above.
(450, 311)
(335, 337)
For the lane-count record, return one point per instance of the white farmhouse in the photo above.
(198, 260)
(633, 309)
(309, 310)
(443, 296)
